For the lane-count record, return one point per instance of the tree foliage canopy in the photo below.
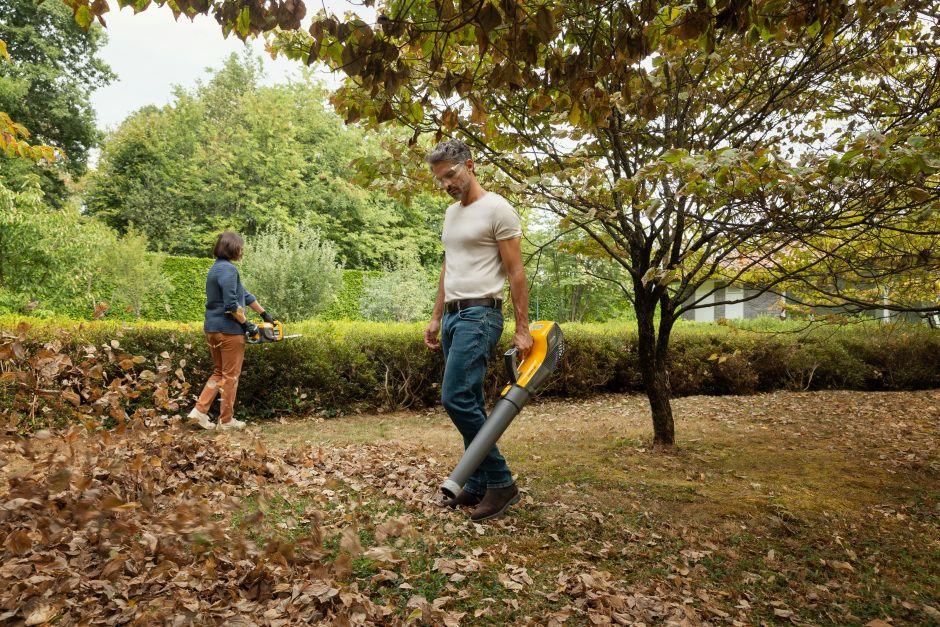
(45, 87)
(234, 154)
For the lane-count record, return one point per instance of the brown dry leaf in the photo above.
(382, 554)
(42, 614)
(350, 542)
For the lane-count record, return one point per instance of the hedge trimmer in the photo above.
(269, 332)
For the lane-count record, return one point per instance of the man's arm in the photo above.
(433, 329)
(510, 252)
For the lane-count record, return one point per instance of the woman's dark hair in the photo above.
(229, 246)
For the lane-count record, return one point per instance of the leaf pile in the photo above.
(47, 387)
(124, 527)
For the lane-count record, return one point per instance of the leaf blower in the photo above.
(269, 332)
(525, 379)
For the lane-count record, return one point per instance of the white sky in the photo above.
(150, 52)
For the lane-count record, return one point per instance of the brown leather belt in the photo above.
(456, 305)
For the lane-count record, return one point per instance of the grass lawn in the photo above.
(803, 507)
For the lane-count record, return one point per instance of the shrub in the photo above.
(48, 257)
(294, 273)
(188, 277)
(134, 275)
(402, 294)
(347, 303)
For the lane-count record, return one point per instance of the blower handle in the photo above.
(511, 361)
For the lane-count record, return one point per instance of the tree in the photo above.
(46, 88)
(680, 136)
(48, 257)
(292, 271)
(233, 154)
(571, 278)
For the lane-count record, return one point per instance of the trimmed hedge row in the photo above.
(344, 367)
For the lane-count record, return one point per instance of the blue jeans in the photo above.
(468, 338)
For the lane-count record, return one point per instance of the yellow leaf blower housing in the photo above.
(525, 379)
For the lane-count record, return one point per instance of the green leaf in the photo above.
(851, 155)
(674, 156)
(243, 22)
(574, 116)
(916, 141)
(83, 16)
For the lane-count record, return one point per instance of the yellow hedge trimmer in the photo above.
(268, 332)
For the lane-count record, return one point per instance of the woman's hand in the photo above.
(251, 329)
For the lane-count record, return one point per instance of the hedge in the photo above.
(346, 306)
(344, 367)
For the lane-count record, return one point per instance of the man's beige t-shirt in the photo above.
(472, 265)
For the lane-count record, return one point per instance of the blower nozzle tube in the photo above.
(506, 408)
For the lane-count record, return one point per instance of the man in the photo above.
(482, 247)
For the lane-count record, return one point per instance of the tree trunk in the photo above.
(576, 291)
(652, 362)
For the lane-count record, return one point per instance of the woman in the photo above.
(226, 328)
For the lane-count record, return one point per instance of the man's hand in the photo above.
(522, 340)
(431, 333)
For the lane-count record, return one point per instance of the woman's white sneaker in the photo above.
(231, 424)
(201, 419)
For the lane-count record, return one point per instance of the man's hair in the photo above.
(451, 151)
(229, 246)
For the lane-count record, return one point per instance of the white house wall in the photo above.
(704, 314)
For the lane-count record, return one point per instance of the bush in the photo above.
(48, 257)
(402, 294)
(347, 304)
(188, 277)
(294, 273)
(134, 275)
(345, 367)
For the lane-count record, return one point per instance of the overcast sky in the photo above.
(150, 52)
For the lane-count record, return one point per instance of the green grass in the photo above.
(773, 503)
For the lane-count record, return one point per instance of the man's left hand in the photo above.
(522, 340)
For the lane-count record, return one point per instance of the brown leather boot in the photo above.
(495, 503)
(464, 499)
